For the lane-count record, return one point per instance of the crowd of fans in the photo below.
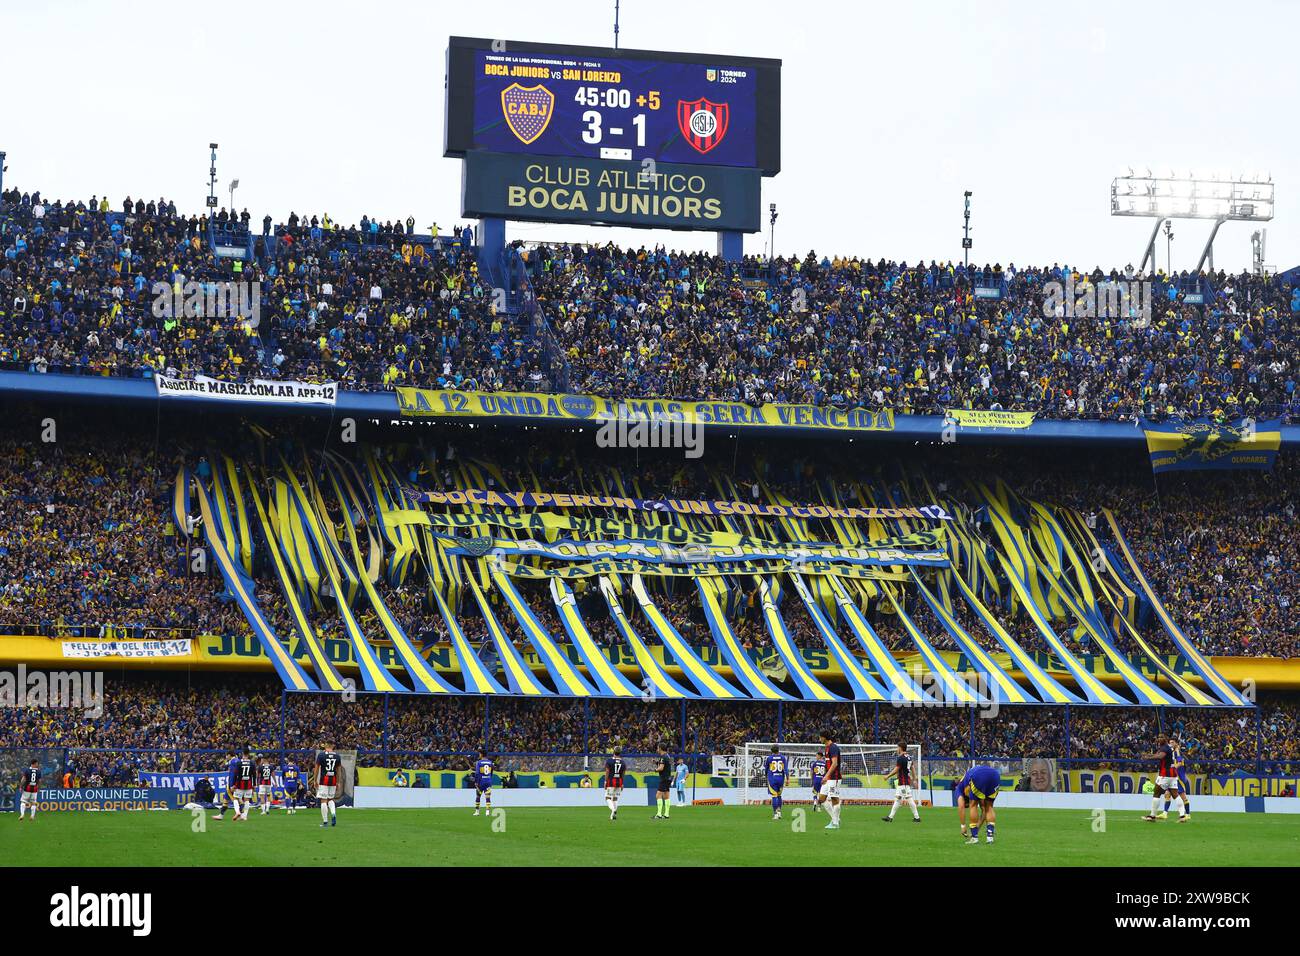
(88, 547)
(83, 550)
(374, 306)
(87, 289)
(193, 722)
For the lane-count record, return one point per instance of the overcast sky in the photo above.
(890, 111)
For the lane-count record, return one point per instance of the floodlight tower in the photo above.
(1221, 197)
(965, 232)
(212, 178)
(1258, 240)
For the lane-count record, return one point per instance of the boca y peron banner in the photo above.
(273, 391)
(684, 506)
(435, 403)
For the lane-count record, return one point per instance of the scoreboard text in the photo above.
(614, 109)
(626, 137)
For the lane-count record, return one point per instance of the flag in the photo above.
(1178, 445)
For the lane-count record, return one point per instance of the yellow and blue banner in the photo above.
(591, 409)
(606, 677)
(1246, 444)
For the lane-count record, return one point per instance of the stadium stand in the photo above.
(375, 306)
(93, 527)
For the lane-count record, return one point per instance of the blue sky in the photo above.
(890, 111)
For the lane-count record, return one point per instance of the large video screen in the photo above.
(604, 104)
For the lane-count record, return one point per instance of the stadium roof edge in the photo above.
(32, 386)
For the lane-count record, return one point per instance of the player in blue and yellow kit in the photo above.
(289, 774)
(975, 794)
(775, 767)
(818, 770)
(483, 782)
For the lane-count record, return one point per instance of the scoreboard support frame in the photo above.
(492, 238)
(492, 241)
(731, 245)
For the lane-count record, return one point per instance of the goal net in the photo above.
(862, 765)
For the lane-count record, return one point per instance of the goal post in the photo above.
(858, 763)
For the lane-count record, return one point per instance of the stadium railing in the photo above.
(108, 632)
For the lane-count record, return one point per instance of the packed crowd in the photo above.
(87, 289)
(191, 722)
(915, 338)
(88, 547)
(373, 306)
(83, 550)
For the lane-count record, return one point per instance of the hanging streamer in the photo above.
(863, 685)
(658, 683)
(901, 685)
(744, 669)
(290, 671)
(565, 676)
(707, 681)
(809, 687)
(599, 669)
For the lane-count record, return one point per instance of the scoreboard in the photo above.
(631, 137)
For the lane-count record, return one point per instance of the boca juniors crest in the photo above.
(702, 122)
(527, 110)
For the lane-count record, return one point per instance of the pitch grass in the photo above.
(694, 836)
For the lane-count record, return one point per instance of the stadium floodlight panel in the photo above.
(1216, 195)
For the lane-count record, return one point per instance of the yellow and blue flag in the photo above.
(1247, 444)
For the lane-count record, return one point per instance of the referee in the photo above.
(664, 765)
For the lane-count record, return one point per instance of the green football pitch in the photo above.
(694, 836)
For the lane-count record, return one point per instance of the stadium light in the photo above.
(1205, 194)
(772, 214)
(212, 178)
(965, 236)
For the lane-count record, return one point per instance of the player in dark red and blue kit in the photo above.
(774, 765)
(265, 784)
(328, 767)
(829, 793)
(29, 785)
(1167, 781)
(242, 775)
(902, 777)
(483, 782)
(975, 794)
(818, 771)
(1180, 764)
(614, 768)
